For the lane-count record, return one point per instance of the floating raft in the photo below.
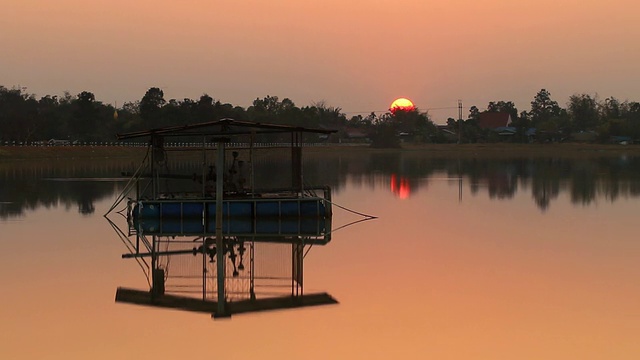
(308, 216)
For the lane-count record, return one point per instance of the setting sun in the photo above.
(401, 104)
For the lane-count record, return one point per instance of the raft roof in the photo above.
(169, 301)
(222, 127)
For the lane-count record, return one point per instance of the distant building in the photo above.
(355, 135)
(494, 120)
(448, 134)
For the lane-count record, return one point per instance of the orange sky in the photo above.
(356, 55)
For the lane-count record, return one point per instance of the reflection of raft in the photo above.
(307, 216)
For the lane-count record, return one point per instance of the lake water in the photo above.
(468, 259)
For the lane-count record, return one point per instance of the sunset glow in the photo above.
(507, 51)
(401, 104)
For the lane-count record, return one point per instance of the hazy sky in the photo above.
(356, 55)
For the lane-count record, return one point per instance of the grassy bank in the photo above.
(11, 153)
(8, 154)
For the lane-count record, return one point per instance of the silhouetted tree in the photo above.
(18, 115)
(416, 124)
(205, 109)
(544, 109)
(474, 113)
(151, 106)
(85, 117)
(504, 106)
(583, 112)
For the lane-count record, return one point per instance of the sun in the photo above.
(403, 104)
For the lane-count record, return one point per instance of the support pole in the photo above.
(219, 240)
(153, 169)
(296, 164)
(204, 167)
(204, 221)
(252, 272)
(251, 160)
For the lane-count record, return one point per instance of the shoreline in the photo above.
(501, 150)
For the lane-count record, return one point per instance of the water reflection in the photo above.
(257, 274)
(27, 187)
(464, 274)
(400, 186)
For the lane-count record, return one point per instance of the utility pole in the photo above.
(459, 142)
(459, 121)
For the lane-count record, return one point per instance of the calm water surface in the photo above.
(468, 259)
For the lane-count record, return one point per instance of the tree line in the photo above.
(25, 118)
(606, 120)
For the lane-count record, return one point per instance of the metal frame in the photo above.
(220, 132)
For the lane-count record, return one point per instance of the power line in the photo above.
(443, 108)
(387, 110)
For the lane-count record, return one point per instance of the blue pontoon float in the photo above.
(257, 217)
